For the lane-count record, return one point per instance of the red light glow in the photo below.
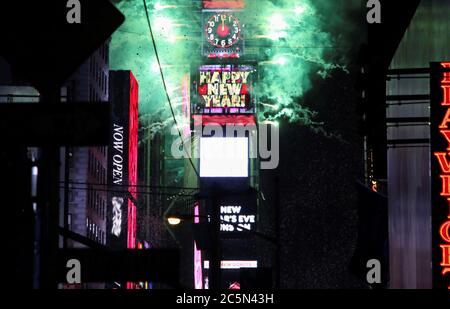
(442, 158)
(446, 78)
(223, 4)
(445, 232)
(198, 272)
(224, 119)
(444, 172)
(132, 160)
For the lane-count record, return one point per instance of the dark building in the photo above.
(414, 204)
(151, 177)
(84, 167)
(18, 164)
(396, 78)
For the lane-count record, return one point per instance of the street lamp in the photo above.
(173, 220)
(176, 220)
(215, 257)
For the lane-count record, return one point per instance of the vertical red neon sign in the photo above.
(198, 271)
(132, 160)
(132, 164)
(443, 159)
(223, 4)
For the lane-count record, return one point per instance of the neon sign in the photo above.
(440, 148)
(223, 4)
(133, 123)
(198, 272)
(122, 160)
(224, 89)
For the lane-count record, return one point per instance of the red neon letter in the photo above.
(445, 185)
(446, 120)
(445, 231)
(444, 271)
(446, 78)
(446, 134)
(446, 98)
(442, 158)
(445, 255)
(448, 200)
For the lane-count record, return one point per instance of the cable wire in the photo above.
(129, 191)
(165, 87)
(125, 185)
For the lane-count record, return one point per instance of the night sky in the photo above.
(318, 173)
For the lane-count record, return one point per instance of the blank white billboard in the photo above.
(223, 157)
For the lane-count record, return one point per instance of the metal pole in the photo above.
(48, 196)
(277, 232)
(216, 245)
(66, 192)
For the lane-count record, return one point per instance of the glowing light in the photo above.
(277, 26)
(174, 220)
(275, 36)
(277, 22)
(158, 6)
(299, 10)
(444, 167)
(155, 67)
(164, 24)
(223, 157)
(444, 231)
(198, 274)
(272, 106)
(278, 61)
(281, 61)
(172, 38)
(173, 88)
(233, 264)
(374, 186)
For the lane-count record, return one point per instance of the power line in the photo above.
(127, 191)
(165, 87)
(125, 185)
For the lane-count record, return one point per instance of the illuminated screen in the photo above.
(223, 89)
(223, 157)
(234, 264)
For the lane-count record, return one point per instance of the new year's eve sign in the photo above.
(237, 216)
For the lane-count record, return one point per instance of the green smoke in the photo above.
(287, 38)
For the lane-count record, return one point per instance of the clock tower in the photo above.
(223, 35)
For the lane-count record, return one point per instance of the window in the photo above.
(69, 221)
(89, 194)
(91, 162)
(97, 205)
(87, 227)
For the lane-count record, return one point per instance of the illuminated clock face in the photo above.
(222, 30)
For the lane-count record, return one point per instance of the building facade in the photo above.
(83, 201)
